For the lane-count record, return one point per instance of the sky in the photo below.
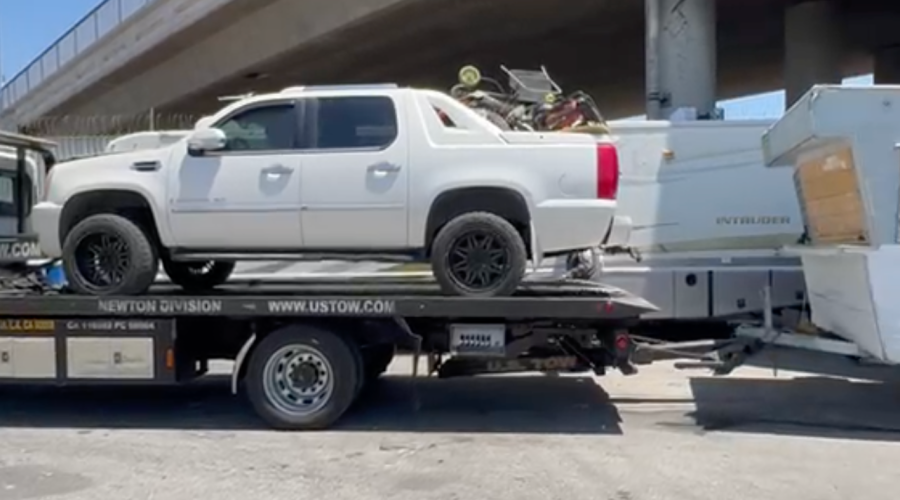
(28, 27)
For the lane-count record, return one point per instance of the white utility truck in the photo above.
(842, 146)
(705, 220)
(308, 172)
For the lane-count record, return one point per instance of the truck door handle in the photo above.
(384, 168)
(145, 166)
(277, 170)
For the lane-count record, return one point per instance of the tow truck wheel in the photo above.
(108, 254)
(478, 254)
(302, 378)
(198, 276)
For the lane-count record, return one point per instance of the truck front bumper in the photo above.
(45, 223)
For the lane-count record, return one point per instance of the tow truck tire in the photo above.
(302, 377)
(127, 237)
(198, 276)
(455, 236)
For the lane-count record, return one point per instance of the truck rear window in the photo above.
(356, 122)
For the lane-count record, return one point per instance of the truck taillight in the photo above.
(607, 172)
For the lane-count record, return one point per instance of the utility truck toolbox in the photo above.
(842, 143)
(308, 172)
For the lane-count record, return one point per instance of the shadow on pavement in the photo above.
(527, 404)
(799, 360)
(490, 404)
(810, 406)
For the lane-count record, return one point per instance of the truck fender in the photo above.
(239, 362)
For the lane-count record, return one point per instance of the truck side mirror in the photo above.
(204, 140)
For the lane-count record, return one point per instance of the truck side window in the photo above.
(265, 128)
(368, 122)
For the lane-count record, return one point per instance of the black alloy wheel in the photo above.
(478, 260)
(103, 259)
(479, 254)
(107, 254)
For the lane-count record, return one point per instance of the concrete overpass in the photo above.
(177, 56)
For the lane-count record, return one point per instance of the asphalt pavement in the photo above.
(662, 434)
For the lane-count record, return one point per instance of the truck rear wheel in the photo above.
(478, 254)
(198, 276)
(303, 377)
(108, 254)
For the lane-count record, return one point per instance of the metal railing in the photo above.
(92, 28)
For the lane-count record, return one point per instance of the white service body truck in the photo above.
(706, 218)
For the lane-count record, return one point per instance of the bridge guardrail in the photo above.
(87, 32)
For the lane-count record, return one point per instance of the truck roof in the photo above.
(314, 90)
(238, 101)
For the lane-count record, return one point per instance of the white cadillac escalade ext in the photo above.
(376, 171)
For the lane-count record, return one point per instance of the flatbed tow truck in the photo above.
(302, 352)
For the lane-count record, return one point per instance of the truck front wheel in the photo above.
(478, 254)
(302, 377)
(108, 254)
(198, 276)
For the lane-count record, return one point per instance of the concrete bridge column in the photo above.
(812, 47)
(887, 65)
(680, 56)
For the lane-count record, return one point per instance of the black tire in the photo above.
(344, 371)
(143, 258)
(361, 373)
(198, 276)
(507, 238)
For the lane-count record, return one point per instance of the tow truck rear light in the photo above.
(623, 342)
(607, 172)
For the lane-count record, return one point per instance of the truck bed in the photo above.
(570, 300)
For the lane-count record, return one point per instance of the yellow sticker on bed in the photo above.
(829, 193)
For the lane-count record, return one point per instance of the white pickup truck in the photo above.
(376, 171)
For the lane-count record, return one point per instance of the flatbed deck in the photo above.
(571, 300)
